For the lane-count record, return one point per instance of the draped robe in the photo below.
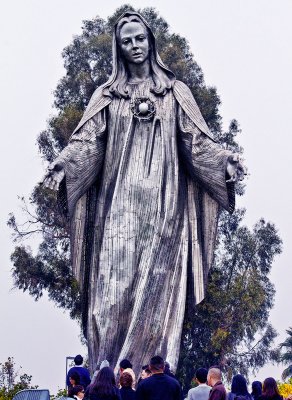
(143, 199)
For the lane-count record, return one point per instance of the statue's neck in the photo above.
(139, 72)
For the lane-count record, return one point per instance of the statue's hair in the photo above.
(162, 79)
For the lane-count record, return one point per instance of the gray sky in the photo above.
(244, 49)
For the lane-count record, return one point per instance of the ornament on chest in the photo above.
(143, 108)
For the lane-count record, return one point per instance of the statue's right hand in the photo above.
(53, 177)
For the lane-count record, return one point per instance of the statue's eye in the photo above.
(141, 38)
(125, 41)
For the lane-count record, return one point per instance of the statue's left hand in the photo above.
(53, 177)
(236, 170)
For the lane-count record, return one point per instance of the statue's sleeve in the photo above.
(205, 161)
(82, 158)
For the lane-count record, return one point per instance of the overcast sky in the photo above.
(244, 49)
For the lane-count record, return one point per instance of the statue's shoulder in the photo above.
(97, 102)
(181, 89)
(186, 100)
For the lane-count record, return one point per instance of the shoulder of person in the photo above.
(172, 379)
(192, 390)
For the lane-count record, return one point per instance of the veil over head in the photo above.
(162, 76)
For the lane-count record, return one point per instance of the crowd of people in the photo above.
(157, 382)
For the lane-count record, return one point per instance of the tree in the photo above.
(243, 258)
(10, 380)
(286, 356)
(230, 327)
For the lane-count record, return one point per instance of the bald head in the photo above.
(214, 376)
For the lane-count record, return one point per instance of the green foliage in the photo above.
(230, 326)
(60, 393)
(286, 356)
(10, 380)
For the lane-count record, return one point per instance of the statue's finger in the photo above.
(55, 185)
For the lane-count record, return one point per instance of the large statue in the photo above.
(144, 181)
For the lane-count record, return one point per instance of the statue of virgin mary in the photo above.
(144, 181)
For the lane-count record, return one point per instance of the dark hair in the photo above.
(157, 363)
(78, 360)
(146, 369)
(75, 376)
(270, 388)
(163, 78)
(201, 375)
(239, 385)
(104, 383)
(77, 389)
(256, 389)
(125, 364)
(126, 380)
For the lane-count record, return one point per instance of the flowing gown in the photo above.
(144, 243)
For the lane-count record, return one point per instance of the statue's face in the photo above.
(134, 42)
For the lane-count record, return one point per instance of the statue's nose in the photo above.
(135, 44)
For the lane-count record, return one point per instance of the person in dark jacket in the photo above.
(81, 371)
(158, 386)
(239, 389)
(256, 388)
(74, 380)
(126, 391)
(167, 370)
(270, 390)
(77, 392)
(218, 391)
(104, 386)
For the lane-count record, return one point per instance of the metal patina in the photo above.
(143, 201)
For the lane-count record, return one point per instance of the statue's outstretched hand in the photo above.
(53, 177)
(236, 170)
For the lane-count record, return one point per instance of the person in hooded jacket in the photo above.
(104, 387)
(239, 389)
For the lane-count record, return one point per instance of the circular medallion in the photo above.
(143, 108)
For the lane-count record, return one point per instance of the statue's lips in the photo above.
(137, 54)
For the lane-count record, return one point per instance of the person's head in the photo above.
(256, 387)
(270, 388)
(78, 360)
(126, 380)
(134, 43)
(239, 385)
(166, 367)
(124, 364)
(103, 364)
(104, 383)
(74, 378)
(214, 376)
(201, 375)
(78, 391)
(145, 373)
(156, 365)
